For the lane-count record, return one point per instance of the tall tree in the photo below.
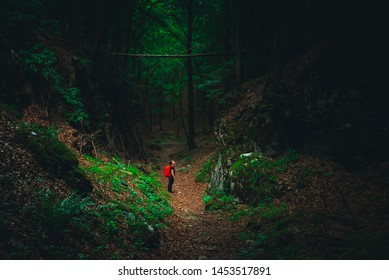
(191, 111)
(238, 69)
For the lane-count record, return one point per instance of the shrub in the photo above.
(57, 221)
(42, 61)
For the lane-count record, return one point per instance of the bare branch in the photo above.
(178, 55)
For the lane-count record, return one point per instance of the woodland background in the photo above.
(289, 97)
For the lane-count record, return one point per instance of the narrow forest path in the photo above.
(193, 233)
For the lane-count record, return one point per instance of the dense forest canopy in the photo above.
(290, 96)
(244, 39)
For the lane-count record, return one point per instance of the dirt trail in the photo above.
(193, 233)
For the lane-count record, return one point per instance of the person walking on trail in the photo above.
(170, 174)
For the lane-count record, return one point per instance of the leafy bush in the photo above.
(56, 222)
(41, 60)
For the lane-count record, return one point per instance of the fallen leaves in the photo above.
(194, 233)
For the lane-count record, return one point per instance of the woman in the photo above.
(172, 173)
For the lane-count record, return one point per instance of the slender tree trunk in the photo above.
(148, 115)
(160, 107)
(102, 27)
(226, 43)
(191, 111)
(116, 32)
(226, 26)
(129, 29)
(174, 111)
(180, 103)
(238, 69)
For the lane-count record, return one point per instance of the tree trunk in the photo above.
(226, 24)
(160, 107)
(116, 33)
(180, 104)
(238, 70)
(102, 27)
(191, 111)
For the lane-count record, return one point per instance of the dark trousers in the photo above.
(170, 185)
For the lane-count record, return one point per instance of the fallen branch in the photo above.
(178, 55)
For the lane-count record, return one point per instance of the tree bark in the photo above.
(191, 111)
(101, 27)
(226, 39)
(238, 42)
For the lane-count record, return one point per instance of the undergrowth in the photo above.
(282, 202)
(256, 178)
(52, 155)
(271, 233)
(63, 227)
(219, 200)
(42, 61)
(205, 172)
(137, 203)
(120, 219)
(256, 181)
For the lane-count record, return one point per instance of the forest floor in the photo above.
(192, 232)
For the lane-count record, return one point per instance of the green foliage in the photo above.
(140, 205)
(271, 233)
(219, 200)
(254, 177)
(205, 172)
(85, 63)
(23, 11)
(106, 224)
(55, 221)
(214, 82)
(72, 97)
(41, 60)
(52, 155)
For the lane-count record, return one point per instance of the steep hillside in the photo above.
(329, 100)
(306, 149)
(48, 208)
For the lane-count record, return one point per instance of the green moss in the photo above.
(205, 172)
(139, 204)
(52, 155)
(219, 200)
(255, 177)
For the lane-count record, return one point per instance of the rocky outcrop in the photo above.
(314, 203)
(327, 101)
